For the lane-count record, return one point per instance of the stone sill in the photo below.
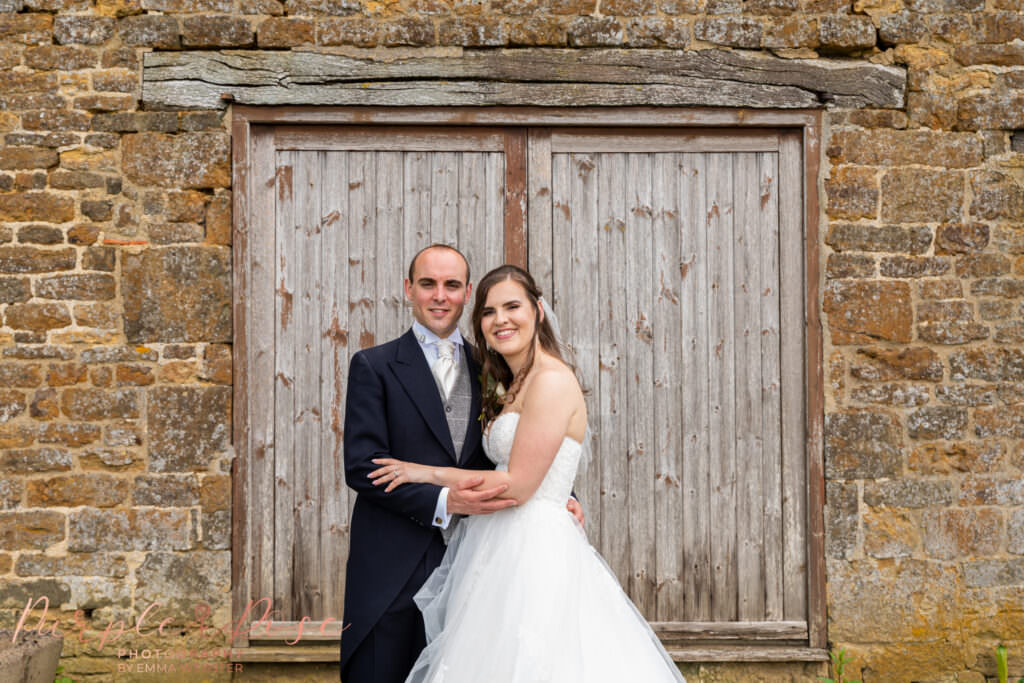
(749, 653)
(330, 653)
(287, 653)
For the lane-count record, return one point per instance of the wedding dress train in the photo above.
(522, 597)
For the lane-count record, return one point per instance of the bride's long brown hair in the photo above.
(494, 369)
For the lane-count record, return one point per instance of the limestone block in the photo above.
(887, 238)
(902, 189)
(913, 266)
(841, 519)
(34, 206)
(286, 32)
(189, 160)
(166, 490)
(177, 294)
(862, 445)
(959, 238)
(188, 427)
(852, 193)
(743, 32)
(92, 529)
(211, 31)
(875, 363)
(99, 404)
(37, 317)
(849, 266)
(34, 530)
(179, 582)
(26, 461)
(860, 312)
(83, 30)
(85, 286)
(906, 395)
(151, 30)
(962, 533)
(97, 490)
(908, 493)
(890, 534)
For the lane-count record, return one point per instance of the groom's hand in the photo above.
(463, 500)
(576, 509)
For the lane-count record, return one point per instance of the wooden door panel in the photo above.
(675, 260)
(337, 225)
(665, 265)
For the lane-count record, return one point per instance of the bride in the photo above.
(521, 596)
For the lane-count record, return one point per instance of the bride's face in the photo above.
(508, 319)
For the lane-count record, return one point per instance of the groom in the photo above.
(414, 398)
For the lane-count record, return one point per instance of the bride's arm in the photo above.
(547, 409)
(396, 472)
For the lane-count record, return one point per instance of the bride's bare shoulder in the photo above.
(554, 376)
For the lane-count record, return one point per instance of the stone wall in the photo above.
(115, 300)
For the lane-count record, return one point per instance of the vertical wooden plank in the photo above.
(241, 158)
(638, 373)
(392, 264)
(538, 224)
(472, 226)
(241, 435)
(794, 474)
(362, 250)
(693, 267)
(495, 211)
(444, 196)
(416, 229)
(749, 472)
(306, 589)
(563, 258)
(515, 196)
(284, 384)
(361, 227)
(614, 397)
(768, 229)
(580, 211)
(334, 521)
(815, 396)
(444, 206)
(573, 250)
(722, 428)
(263, 379)
(666, 327)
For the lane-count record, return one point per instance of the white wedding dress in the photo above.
(522, 597)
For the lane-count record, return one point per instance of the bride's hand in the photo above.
(396, 472)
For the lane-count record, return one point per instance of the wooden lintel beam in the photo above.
(517, 77)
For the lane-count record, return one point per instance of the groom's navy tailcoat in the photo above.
(393, 410)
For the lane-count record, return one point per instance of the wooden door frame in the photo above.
(807, 121)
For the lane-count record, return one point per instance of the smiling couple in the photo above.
(517, 594)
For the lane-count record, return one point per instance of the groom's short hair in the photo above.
(437, 245)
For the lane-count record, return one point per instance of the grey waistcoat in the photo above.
(456, 408)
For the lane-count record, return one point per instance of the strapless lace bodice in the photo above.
(557, 483)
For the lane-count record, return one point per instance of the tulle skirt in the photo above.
(522, 597)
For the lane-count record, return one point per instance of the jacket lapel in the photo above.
(412, 371)
(473, 433)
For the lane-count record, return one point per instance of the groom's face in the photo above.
(438, 291)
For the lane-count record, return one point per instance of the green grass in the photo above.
(839, 661)
(1002, 669)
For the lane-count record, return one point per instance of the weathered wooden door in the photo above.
(675, 258)
(337, 212)
(676, 261)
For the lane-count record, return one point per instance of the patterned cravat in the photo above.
(444, 368)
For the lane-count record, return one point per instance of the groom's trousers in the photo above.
(388, 652)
